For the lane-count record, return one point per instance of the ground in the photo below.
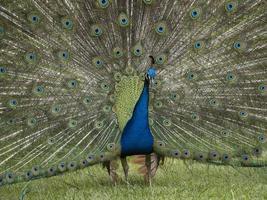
(174, 180)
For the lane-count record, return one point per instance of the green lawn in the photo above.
(174, 180)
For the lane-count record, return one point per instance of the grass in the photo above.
(175, 180)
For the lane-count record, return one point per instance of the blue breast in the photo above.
(136, 137)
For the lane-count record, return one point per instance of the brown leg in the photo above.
(148, 166)
(125, 167)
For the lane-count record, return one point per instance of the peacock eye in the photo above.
(63, 55)
(107, 108)
(230, 76)
(28, 175)
(158, 104)
(96, 31)
(237, 45)
(11, 121)
(111, 147)
(31, 57)
(262, 88)
(200, 157)
(195, 13)
(2, 70)
(161, 59)
(67, 23)
(105, 86)
(191, 76)
(161, 28)
(230, 6)
(195, 116)
(138, 50)
(72, 84)
(213, 155)
(87, 100)
(243, 114)
(261, 138)
(39, 89)
(56, 109)
(90, 158)
(257, 151)
(72, 123)
(198, 45)
(245, 158)
(176, 153)
(31, 122)
(225, 157)
(98, 62)
(103, 3)
(72, 165)
(167, 122)
(117, 52)
(123, 20)
(161, 144)
(99, 124)
(10, 177)
(186, 153)
(13, 103)
(34, 18)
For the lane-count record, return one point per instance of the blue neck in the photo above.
(136, 137)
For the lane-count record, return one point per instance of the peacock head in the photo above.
(151, 72)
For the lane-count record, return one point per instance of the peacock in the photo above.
(86, 82)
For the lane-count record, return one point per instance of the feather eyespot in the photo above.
(123, 20)
(72, 165)
(51, 171)
(105, 86)
(161, 28)
(39, 89)
(230, 6)
(62, 167)
(31, 122)
(243, 114)
(31, 57)
(34, 19)
(117, 52)
(161, 144)
(35, 170)
(262, 138)
(72, 84)
(186, 153)
(83, 163)
(103, 3)
(90, 158)
(176, 153)
(13, 103)
(10, 177)
(96, 31)
(226, 157)
(111, 147)
(262, 88)
(195, 13)
(28, 175)
(99, 124)
(98, 62)
(257, 151)
(167, 122)
(56, 109)
(67, 23)
(161, 59)
(87, 100)
(72, 123)
(3, 70)
(138, 50)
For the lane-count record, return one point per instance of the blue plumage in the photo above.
(136, 137)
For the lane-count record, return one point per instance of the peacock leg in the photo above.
(111, 168)
(125, 167)
(148, 166)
